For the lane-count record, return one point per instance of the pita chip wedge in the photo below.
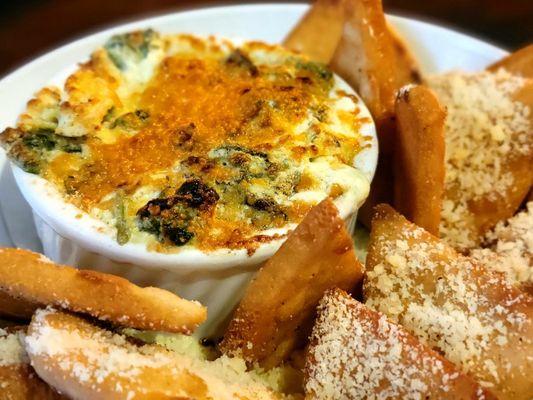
(406, 66)
(508, 249)
(16, 309)
(472, 315)
(365, 58)
(357, 353)
(319, 31)
(489, 151)
(18, 380)
(518, 63)
(90, 363)
(419, 156)
(35, 279)
(276, 314)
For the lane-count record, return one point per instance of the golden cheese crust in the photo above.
(175, 140)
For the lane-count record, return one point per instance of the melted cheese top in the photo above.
(177, 140)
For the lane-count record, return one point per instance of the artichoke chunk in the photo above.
(130, 48)
(246, 162)
(132, 121)
(239, 59)
(121, 224)
(317, 72)
(30, 150)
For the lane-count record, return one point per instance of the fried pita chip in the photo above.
(471, 314)
(419, 157)
(87, 362)
(406, 67)
(276, 313)
(489, 151)
(18, 380)
(365, 58)
(508, 249)
(518, 63)
(34, 278)
(356, 353)
(13, 308)
(319, 31)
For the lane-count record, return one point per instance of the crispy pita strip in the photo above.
(406, 66)
(508, 249)
(13, 308)
(365, 58)
(488, 213)
(351, 343)
(518, 63)
(30, 276)
(318, 32)
(419, 157)
(472, 315)
(483, 187)
(87, 362)
(18, 380)
(276, 313)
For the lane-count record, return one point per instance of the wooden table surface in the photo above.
(30, 27)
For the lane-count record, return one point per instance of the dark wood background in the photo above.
(30, 27)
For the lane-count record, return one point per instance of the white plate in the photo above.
(438, 49)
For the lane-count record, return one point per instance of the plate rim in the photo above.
(128, 25)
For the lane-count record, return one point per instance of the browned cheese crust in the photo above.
(276, 313)
(356, 353)
(472, 315)
(34, 278)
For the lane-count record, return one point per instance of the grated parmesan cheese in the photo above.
(356, 353)
(100, 360)
(474, 317)
(11, 351)
(484, 128)
(510, 248)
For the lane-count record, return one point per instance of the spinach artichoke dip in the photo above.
(177, 140)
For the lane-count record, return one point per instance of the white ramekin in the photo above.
(216, 279)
